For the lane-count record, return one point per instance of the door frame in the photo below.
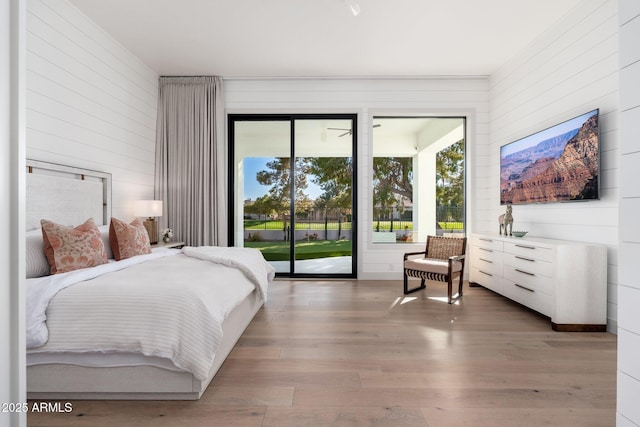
(291, 118)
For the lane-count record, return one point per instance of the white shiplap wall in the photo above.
(367, 98)
(629, 284)
(90, 102)
(570, 69)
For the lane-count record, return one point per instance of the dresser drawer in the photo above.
(529, 250)
(533, 299)
(486, 255)
(528, 279)
(487, 260)
(530, 265)
(486, 279)
(487, 243)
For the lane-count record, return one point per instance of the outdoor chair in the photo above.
(442, 260)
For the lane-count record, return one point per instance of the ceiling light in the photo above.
(353, 6)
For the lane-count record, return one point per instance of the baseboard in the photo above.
(566, 327)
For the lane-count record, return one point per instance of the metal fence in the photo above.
(448, 218)
(301, 224)
(305, 229)
(449, 214)
(392, 224)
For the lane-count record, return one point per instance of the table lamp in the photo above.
(149, 209)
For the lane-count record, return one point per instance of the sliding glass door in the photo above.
(293, 181)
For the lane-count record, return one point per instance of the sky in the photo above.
(253, 189)
(536, 138)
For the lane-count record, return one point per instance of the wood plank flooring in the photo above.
(359, 353)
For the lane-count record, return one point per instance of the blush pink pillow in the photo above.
(69, 249)
(127, 240)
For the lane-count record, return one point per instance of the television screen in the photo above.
(558, 164)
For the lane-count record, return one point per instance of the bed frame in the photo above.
(58, 381)
(89, 195)
(66, 194)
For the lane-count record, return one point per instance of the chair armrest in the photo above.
(408, 254)
(453, 259)
(457, 257)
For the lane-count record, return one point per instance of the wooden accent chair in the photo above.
(443, 260)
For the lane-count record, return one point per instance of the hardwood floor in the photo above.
(359, 353)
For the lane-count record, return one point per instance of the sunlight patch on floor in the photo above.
(407, 299)
(401, 301)
(441, 299)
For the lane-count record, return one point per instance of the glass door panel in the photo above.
(262, 191)
(323, 194)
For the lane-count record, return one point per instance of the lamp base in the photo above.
(152, 230)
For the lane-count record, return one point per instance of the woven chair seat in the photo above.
(431, 265)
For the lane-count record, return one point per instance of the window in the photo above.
(418, 178)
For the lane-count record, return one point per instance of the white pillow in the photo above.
(36, 261)
(104, 230)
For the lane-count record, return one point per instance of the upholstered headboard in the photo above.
(66, 194)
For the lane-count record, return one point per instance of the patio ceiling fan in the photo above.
(353, 6)
(346, 131)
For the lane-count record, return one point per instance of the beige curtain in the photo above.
(190, 174)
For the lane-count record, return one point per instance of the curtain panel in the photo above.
(190, 173)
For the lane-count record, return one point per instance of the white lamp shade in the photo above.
(147, 208)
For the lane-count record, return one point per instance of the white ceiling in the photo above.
(321, 38)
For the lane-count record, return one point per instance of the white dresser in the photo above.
(564, 280)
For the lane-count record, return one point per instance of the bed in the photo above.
(155, 326)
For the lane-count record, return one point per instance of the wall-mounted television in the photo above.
(558, 164)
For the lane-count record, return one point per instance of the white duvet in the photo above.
(167, 304)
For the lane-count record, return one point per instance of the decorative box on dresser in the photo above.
(566, 281)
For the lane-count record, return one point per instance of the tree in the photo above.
(394, 175)
(392, 184)
(393, 180)
(262, 206)
(278, 177)
(255, 208)
(450, 175)
(334, 175)
(304, 206)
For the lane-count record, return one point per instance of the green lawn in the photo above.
(250, 224)
(399, 225)
(384, 225)
(279, 251)
(451, 225)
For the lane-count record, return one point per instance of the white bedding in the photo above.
(165, 304)
(248, 260)
(41, 290)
